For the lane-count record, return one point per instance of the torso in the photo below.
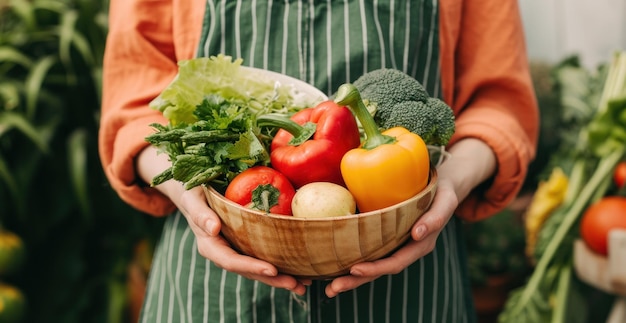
(325, 43)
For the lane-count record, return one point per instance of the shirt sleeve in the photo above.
(486, 80)
(139, 61)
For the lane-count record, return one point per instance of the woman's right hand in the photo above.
(206, 226)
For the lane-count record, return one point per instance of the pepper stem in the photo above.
(300, 133)
(349, 95)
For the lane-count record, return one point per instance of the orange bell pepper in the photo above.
(389, 167)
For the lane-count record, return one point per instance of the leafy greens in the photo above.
(212, 107)
(600, 143)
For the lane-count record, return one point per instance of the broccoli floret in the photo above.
(433, 120)
(393, 85)
(398, 99)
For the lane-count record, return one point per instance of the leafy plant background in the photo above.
(79, 237)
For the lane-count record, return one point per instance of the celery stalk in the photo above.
(524, 305)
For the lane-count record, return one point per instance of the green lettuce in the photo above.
(212, 107)
(222, 76)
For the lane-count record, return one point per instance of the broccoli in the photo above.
(398, 99)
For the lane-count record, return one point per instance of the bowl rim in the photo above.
(432, 183)
(298, 85)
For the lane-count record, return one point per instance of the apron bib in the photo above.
(325, 43)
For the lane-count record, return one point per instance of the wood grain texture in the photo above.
(319, 248)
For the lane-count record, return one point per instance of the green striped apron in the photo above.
(325, 43)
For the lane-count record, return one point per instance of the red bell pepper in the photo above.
(262, 188)
(309, 146)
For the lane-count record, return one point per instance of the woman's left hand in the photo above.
(471, 162)
(423, 238)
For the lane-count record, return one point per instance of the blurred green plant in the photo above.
(78, 235)
(496, 248)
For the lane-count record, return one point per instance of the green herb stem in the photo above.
(604, 169)
(598, 148)
(576, 181)
(562, 293)
(615, 85)
(206, 136)
(204, 177)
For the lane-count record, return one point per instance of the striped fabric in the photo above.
(184, 287)
(325, 43)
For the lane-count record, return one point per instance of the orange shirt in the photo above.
(485, 80)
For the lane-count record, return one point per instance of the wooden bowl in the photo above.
(319, 248)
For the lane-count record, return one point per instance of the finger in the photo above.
(305, 281)
(432, 221)
(282, 281)
(206, 226)
(396, 262)
(345, 283)
(262, 271)
(198, 212)
(220, 252)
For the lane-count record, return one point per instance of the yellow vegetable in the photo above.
(549, 195)
(389, 167)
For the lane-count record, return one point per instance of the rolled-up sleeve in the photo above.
(486, 80)
(484, 74)
(139, 62)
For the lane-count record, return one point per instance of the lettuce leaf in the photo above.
(219, 75)
(212, 106)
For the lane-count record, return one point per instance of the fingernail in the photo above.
(419, 231)
(267, 272)
(355, 272)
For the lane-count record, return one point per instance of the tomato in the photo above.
(599, 218)
(619, 175)
(262, 188)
